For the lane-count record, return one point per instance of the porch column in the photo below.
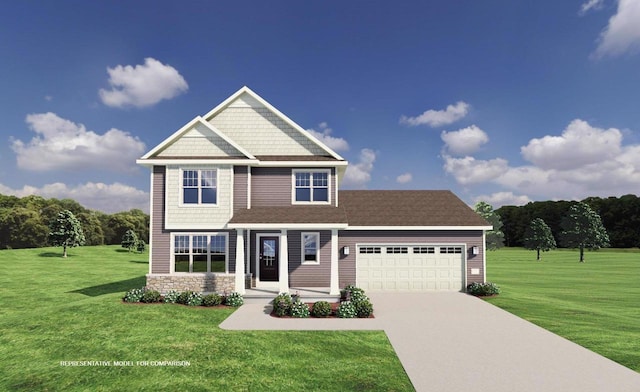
(240, 261)
(335, 281)
(283, 265)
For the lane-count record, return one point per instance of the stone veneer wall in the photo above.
(200, 283)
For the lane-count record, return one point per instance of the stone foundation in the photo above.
(200, 283)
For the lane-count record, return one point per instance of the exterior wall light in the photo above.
(475, 250)
(345, 250)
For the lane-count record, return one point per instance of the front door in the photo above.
(269, 259)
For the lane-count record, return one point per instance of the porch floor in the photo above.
(307, 294)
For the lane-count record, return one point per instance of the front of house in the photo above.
(244, 197)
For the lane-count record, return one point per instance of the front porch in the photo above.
(307, 294)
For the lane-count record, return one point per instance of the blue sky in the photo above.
(502, 101)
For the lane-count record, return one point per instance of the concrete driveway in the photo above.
(456, 342)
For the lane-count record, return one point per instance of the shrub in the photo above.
(171, 297)
(151, 296)
(194, 299)
(282, 304)
(321, 309)
(299, 309)
(353, 293)
(234, 299)
(212, 300)
(481, 289)
(183, 297)
(134, 295)
(364, 308)
(346, 309)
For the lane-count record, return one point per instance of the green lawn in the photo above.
(54, 309)
(595, 304)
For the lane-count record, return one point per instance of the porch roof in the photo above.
(290, 217)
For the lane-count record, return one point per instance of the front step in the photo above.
(260, 296)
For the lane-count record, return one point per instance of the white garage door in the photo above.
(410, 267)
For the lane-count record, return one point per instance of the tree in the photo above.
(538, 237)
(495, 237)
(66, 231)
(582, 228)
(141, 246)
(129, 240)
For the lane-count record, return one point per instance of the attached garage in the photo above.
(405, 267)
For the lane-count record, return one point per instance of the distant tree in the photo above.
(141, 246)
(22, 228)
(130, 240)
(495, 237)
(582, 228)
(538, 237)
(66, 231)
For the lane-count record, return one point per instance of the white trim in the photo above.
(248, 187)
(290, 226)
(195, 162)
(301, 164)
(198, 226)
(484, 257)
(231, 191)
(311, 187)
(266, 104)
(302, 249)
(283, 262)
(239, 261)
(181, 202)
(151, 219)
(334, 270)
(415, 228)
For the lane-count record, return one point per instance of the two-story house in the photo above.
(244, 197)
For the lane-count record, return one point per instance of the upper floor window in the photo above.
(199, 187)
(311, 186)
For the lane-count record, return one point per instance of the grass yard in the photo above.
(595, 304)
(54, 309)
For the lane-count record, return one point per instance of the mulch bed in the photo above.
(334, 307)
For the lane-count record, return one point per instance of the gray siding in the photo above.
(347, 264)
(272, 186)
(240, 175)
(160, 242)
(310, 275)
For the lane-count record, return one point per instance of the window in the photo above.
(369, 249)
(311, 186)
(310, 248)
(199, 187)
(424, 249)
(200, 253)
(397, 249)
(450, 249)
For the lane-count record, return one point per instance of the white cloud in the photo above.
(404, 178)
(590, 5)
(359, 174)
(436, 118)
(97, 196)
(500, 199)
(63, 144)
(469, 170)
(464, 141)
(622, 34)
(324, 135)
(143, 85)
(580, 144)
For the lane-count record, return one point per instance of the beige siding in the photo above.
(272, 186)
(262, 132)
(201, 142)
(347, 264)
(310, 275)
(160, 245)
(240, 179)
(198, 217)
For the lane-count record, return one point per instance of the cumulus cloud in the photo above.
(324, 135)
(500, 199)
(622, 34)
(436, 118)
(580, 144)
(404, 178)
(359, 174)
(590, 5)
(142, 85)
(469, 170)
(63, 144)
(96, 196)
(464, 141)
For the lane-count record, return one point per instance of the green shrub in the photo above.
(183, 297)
(282, 304)
(321, 309)
(482, 289)
(353, 294)
(346, 309)
(364, 308)
(234, 299)
(212, 299)
(134, 295)
(151, 296)
(194, 299)
(299, 309)
(171, 297)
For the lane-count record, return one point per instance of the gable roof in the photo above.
(427, 209)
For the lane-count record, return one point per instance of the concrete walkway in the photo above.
(455, 342)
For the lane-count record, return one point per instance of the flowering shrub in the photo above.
(346, 309)
(364, 308)
(481, 289)
(212, 300)
(234, 299)
(299, 309)
(282, 304)
(134, 295)
(171, 297)
(194, 299)
(151, 296)
(321, 309)
(183, 297)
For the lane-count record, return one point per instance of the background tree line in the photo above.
(620, 217)
(24, 222)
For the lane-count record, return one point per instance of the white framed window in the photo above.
(370, 249)
(397, 249)
(200, 252)
(424, 249)
(311, 186)
(199, 187)
(310, 248)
